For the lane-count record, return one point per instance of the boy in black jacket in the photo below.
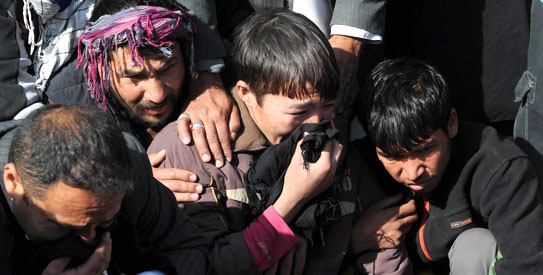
(480, 208)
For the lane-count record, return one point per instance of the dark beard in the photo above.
(140, 122)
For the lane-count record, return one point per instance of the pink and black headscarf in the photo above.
(141, 26)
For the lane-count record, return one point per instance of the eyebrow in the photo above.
(306, 104)
(79, 228)
(167, 63)
(425, 145)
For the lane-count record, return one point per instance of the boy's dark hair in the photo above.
(280, 52)
(73, 144)
(409, 101)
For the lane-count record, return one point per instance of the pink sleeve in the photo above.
(269, 238)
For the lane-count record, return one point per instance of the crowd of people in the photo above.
(254, 137)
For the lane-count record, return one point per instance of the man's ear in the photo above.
(245, 93)
(452, 125)
(12, 181)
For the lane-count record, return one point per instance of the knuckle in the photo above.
(212, 138)
(224, 139)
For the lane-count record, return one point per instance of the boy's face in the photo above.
(276, 116)
(422, 168)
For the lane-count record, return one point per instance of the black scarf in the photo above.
(265, 177)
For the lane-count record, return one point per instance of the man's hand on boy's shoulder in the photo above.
(211, 119)
(383, 226)
(181, 182)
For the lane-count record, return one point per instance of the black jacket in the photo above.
(488, 183)
(150, 232)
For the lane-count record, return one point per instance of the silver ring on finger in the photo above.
(183, 115)
(194, 126)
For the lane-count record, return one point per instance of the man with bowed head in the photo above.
(76, 200)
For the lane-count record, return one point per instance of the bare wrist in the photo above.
(287, 208)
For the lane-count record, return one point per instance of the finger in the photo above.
(183, 186)
(213, 142)
(157, 158)
(299, 256)
(286, 263)
(297, 157)
(408, 208)
(56, 266)
(337, 150)
(409, 220)
(225, 142)
(183, 130)
(201, 143)
(99, 260)
(174, 174)
(235, 122)
(186, 197)
(272, 270)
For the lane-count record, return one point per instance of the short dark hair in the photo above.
(409, 101)
(73, 144)
(280, 52)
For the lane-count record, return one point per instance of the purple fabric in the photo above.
(135, 27)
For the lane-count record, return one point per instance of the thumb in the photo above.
(234, 123)
(157, 158)
(57, 266)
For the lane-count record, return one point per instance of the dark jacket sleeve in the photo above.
(510, 203)
(158, 224)
(222, 223)
(12, 95)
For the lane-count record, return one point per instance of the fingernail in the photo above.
(193, 177)
(206, 158)
(233, 135)
(186, 140)
(194, 196)
(229, 159)
(199, 188)
(218, 163)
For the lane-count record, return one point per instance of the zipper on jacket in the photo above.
(423, 225)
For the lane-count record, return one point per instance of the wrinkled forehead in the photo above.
(145, 58)
(72, 205)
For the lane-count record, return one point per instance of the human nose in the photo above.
(314, 117)
(88, 234)
(413, 169)
(154, 90)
